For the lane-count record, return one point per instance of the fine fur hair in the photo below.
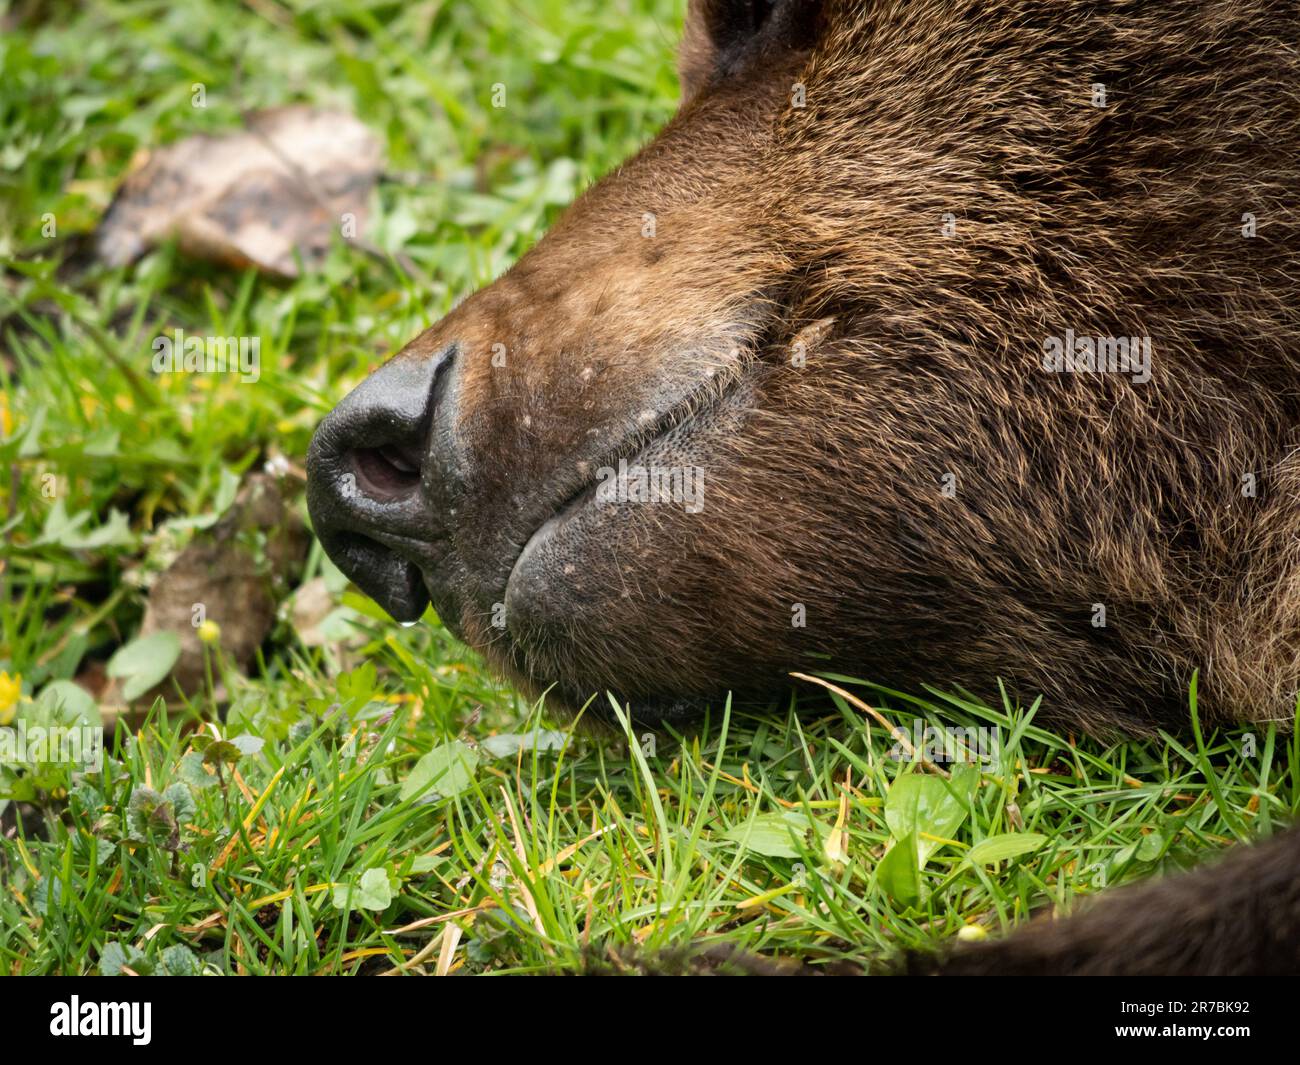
(941, 506)
(834, 282)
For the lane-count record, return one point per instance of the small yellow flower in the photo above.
(10, 689)
(972, 933)
(6, 419)
(210, 632)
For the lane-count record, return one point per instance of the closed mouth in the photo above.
(698, 408)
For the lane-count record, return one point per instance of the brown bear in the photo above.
(933, 341)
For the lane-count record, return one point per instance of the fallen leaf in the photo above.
(288, 183)
(233, 574)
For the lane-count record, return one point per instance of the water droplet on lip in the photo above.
(408, 624)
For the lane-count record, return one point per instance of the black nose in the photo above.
(368, 469)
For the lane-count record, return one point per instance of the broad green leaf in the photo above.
(964, 781)
(246, 744)
(217, 752)
(105, 444)
(166, 451)
(1150, 846)
(898, 872)
(920, 803)
(446, 770)
(358, 684)
(158, 819)
(509, 744)
(182, 803)
(69, 531)
(193, 773)
(374, 891)
(1003, 846)
(179, 960)
(143, 816)
(115, 957)
(772, 835)
(112, 959)
(72, 702)
(144, 662)
(48, 891)
(116, 532)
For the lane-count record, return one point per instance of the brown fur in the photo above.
(820, 228)
(1238, 917)
(824, 484)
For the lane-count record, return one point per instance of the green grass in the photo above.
(305, 857)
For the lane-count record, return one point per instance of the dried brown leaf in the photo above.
(282, 185)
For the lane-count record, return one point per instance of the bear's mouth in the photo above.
(762, 322)
(697, 411)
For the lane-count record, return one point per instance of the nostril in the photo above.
(371, 483)
(375, 442)
(387, 472)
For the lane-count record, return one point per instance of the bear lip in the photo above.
(698, 408)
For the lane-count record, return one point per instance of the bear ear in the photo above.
(721, 35)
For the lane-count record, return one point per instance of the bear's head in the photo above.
(776, 394)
